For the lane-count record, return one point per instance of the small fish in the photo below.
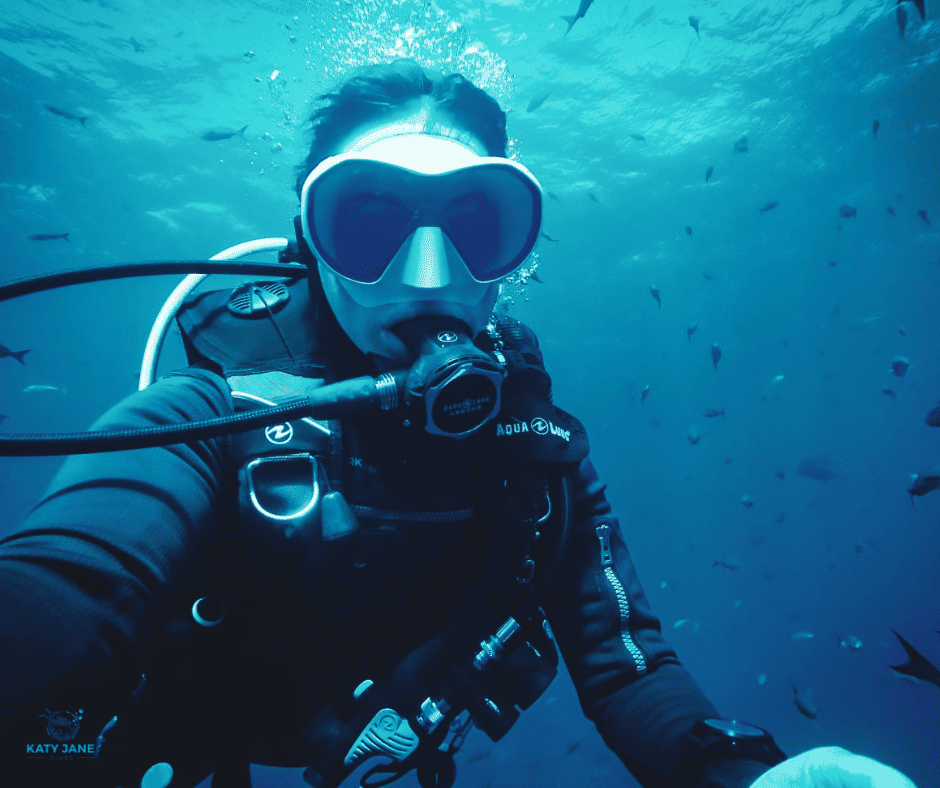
(902, 331)
(645, 393)
(728, 563)
(41, 388)
(680, 622)
(3, 419)
(746, 501)
(932, 419)
(901, 16)
(638, 137)
(573, 748)
(889, 393)
(535, 277)
(804, 704)
(922, 484)
(708, 173)
(917, 667)
(479, 756)
(655, 293)
(547, 237)
(847, 211)
(64, 114)
(688, 231)
(875, 125)
(781, 516)
(582, 10)
(538, 100)
(741, 145)
(802, 635)
(707, 275)
(5, 352)
(923, 215)
(694, 21)
(553, 196)
(780, 474)
(692, 435)
(592, 196)
(890, 210)
(900, 365)
(819, 467)
(222, 133)
(713, 413)
(769, 206)
(138, 47)
(832, 263)
(49, 237)
(716, 354)
(849, 641)
(691, 330)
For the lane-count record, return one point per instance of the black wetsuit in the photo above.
(124, 541)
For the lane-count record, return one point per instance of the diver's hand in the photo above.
(832, 767)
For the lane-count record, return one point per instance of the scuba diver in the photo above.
(357, 588)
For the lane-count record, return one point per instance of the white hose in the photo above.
(183, 289)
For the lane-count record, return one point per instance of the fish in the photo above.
(933, 417)
(746, 501)
(847, 211)
(716, 354)
(923, 215)
(875, 125)
(728, 563)
(741, 145)
(692, 435)
(535, 277)
(573, 748)
(645, 393)
(655, 293)
(708, 173)
(769, 206)
(781, 516)
(3, 419)
(901, 16)
(680, 622)
(707, 275)
(553, 196)
(819, 467)
(638, 137)
(917, 667)
(49, 237)
(693, 327)
(712, 413)
(889, 393)
(538, 100)
(547, 237)
(849, 641)
(804, 704)
(780, 474)
(583, 6)
(890, 210)
(592, 196)
(921, 484)
(221, 133)
(138, 47)
(5, 352)
(65, 114)
(42, 388)
(900, 365)
(688, 231)
(802, 635)
(694, 21)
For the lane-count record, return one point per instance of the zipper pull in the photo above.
(603, 534)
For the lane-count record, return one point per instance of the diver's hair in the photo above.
(374, 92)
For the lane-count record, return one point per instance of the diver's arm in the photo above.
(86, 579)
(629, 680)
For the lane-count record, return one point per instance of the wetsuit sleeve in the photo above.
(87, 578)
(629, 680)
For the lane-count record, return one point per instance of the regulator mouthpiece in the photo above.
(453, 388)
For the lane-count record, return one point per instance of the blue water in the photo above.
(825, 302)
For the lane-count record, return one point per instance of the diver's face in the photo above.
(427, 275)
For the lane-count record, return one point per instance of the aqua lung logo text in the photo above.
(539, 426)
(279, 434)
(467, 405)
(62, 726)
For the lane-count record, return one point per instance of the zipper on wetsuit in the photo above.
(607, 563)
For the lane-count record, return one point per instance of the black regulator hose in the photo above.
(76, 276)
